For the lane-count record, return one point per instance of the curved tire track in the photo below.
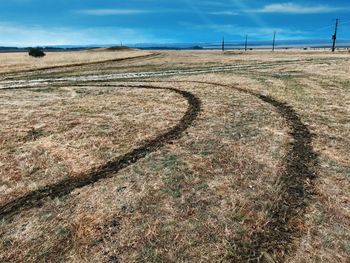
(37, 70)
(66, 186)
(294, 189)
(272, 241)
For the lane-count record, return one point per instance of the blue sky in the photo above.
(75, 22)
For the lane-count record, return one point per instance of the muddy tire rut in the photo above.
(66, 186)
(270, 243)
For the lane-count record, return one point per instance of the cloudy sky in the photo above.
(77, 22)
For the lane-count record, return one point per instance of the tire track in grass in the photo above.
(19, 83)
(77, 65)
(64, 187)
(273, 241)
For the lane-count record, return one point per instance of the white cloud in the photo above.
(224, 13)
(292, 8)
(108, 12)
(17, 35)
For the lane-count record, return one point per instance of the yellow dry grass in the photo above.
(193, 199)
(68, 131)
(11, 62)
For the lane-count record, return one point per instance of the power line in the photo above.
(330, 26)
(343, 23)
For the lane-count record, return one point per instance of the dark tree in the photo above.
(36, 52)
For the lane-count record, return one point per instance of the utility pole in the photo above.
(334, 37)
(246, 43)
(223, 44)
(274, 41)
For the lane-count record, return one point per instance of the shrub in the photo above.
(36, 52)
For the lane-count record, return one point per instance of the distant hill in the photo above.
(112, 48)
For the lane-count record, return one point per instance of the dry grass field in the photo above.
(175, 156)
(15, 62)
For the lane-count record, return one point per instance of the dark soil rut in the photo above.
(273, 241)
(66, 186)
